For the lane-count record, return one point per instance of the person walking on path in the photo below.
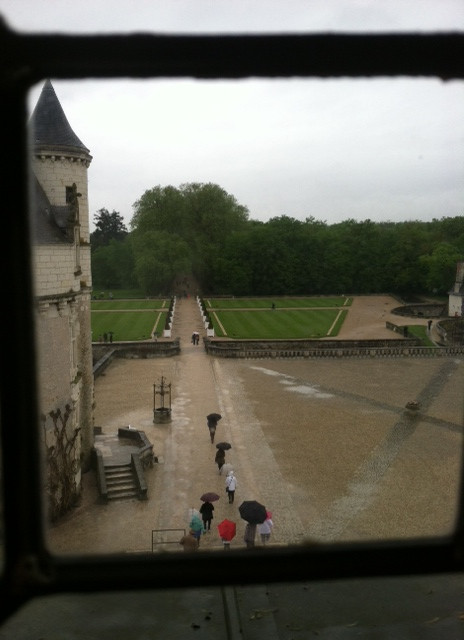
(265, 528)
(196, 528)
(211, 420)
(231, 485)
(189, 542)
(206, 511)
(220, 459)
(249, 535)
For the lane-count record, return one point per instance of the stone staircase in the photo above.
(120, 482)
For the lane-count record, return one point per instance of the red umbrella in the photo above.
(227, 529)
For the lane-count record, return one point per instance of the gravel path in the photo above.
(327, 446)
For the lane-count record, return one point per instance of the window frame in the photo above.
(29, 568)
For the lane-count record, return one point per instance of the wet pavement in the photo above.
(426, 607)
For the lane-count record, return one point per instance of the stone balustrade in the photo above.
(267, 349)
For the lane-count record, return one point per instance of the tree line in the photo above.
(203, 230)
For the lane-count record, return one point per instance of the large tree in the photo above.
(113, 265)
(108, 226)
(203, 229)
(159, 257)
(440, 267)
(203, 216)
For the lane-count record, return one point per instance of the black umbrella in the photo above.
(223, 445)
(213, 417)
(253, 512)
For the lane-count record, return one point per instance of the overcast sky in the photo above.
(332, 149)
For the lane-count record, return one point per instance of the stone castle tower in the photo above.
(62, 279)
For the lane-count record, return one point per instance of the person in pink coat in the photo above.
(265, 529)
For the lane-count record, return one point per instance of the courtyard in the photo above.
(327, 446)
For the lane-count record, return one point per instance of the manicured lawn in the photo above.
(268, 325)
(126, 325)
(280, 303)
(420, 331)
(247, 318)
(107, 305)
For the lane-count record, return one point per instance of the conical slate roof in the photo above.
(49, 125)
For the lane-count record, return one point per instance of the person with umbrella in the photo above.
(211, 420)
(265, 528)
(254, 513)
(226, 530)
(207, 509)
(196, 527)
(220, 459)
(231, 485)
(249, 535)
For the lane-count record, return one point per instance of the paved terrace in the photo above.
(360, 454)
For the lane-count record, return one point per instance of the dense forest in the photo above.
(203, 230)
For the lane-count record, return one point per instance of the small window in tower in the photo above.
(69, 195)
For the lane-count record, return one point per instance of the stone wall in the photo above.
(62, 288)
(104, 353)
(54, 267)
(65, 397)
(325, 349)
(423, 310)
(56, 172)
(402, 329)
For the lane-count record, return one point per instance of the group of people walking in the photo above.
(201, 524)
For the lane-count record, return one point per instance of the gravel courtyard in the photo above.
(327, 446)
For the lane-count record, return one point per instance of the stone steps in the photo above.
(120, 482)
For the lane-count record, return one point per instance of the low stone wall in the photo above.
(451, 331)
(140, 438)
(326, 349)
(422, 310)
(100, 473)
(104, 354)
(402, 329)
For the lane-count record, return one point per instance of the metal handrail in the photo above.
(153, 543)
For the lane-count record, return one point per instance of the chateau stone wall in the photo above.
(456, 301)
(55, 173)
(54, 267)
(62, 281)
(59, 398)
